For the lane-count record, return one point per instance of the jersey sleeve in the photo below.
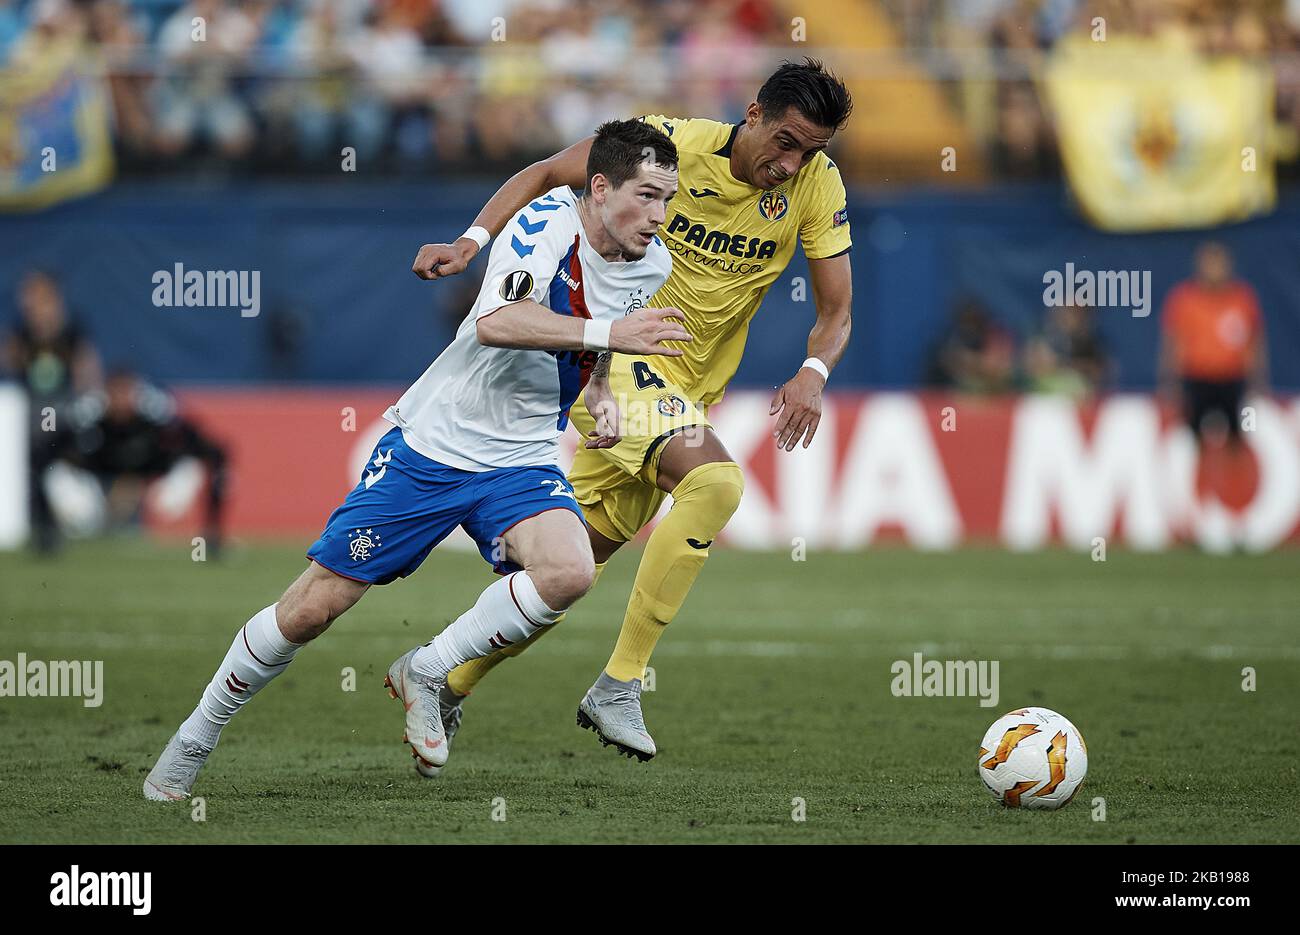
(824, 230)
(665, 125)
(526, 255)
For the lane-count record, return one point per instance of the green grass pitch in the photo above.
(772, 685)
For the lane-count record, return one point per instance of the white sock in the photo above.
(259, 653)
(508, 610)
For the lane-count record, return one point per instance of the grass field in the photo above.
(773, 684)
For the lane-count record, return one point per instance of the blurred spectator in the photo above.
(978, 356)
(130, 434)
(119, 39)
(1026, 144)
(11, 27)
(1213, 350)
(198, 98)
(1067, 356)
(57, 37)
(54, 361)
(330, 106)
(391, 61)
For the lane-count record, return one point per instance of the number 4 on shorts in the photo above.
(645, 377)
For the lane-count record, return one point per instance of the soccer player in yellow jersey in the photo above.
(746, 193)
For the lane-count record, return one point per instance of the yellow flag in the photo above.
(54, 134)
(1154, 136)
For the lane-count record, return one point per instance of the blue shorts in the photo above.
(405, 504)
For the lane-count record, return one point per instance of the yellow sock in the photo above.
(465, 676)
(702, 503)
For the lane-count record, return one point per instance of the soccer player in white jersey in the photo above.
(475, 444)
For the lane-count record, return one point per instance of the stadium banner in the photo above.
(54, 135)
(930, 471)
(1153, 136)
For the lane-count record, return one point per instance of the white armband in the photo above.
(815, 363)
(595, 335)
(477, 234)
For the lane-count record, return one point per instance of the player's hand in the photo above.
(440, 260)
(799, 405)
(599, 399)
(645, 330)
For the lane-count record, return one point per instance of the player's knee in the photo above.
(301, 617)
(564, 579)
(312, 603)
(718, 486)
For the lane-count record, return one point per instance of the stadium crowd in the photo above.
(412, 83)
(1010, 37)
(283, 85)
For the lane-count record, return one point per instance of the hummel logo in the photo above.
(569, 281)
(697, 544)
(381, 462)
(704, 193)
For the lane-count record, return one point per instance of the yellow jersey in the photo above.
(730, 242)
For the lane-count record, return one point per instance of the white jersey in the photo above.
(480, 408)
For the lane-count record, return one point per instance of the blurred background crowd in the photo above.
(282, 85)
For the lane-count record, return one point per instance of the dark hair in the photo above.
(620, 147)
(810, 88)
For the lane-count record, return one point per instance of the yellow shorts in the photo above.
(616, 486)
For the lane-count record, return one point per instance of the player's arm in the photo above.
(798, 403)
(567, 167)
(527, 325)
(600, 402)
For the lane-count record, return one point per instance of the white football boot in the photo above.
(613, 710)
(173, 775)
(450, 707)
(421, 696)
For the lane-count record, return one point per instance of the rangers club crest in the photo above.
(362, 544)
(772, 206)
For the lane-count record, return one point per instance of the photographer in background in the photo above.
(129, 435)
(54, 361)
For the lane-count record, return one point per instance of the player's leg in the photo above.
(466, 676)
(403, 506)
(261, 650)
(592, 475)
(552, 550)
(706, 486)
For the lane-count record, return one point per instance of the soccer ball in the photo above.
(1033, 758)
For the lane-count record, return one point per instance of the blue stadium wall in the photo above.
(335, 272)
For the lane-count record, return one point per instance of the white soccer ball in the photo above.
(1033, 758)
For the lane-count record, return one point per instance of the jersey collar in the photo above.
(726, 147)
